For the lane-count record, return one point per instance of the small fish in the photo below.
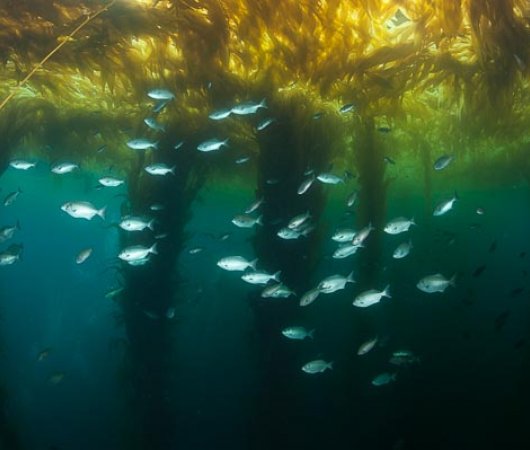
(21, 164)
(402, 250)
(389, 160)
(83, 255)
(384, 129)
(83, 210)
(151, 314)
(212, 145)
(522, 254)
(178, 145)
(329, 178)
(170, 313)
(289, 234)
(265, 123)
(493, 247)
(445, 206)
(153, 124)
(366, 346)
(371, 297)
(101, 149)
(160, 169)
(56, 377)
(8, 232)
(297, 221)
(220, 114)
(242, 160)
(398, 225)
(352, 198)
(195, 250)
(362, 235)
(157, 207)
(159, 106)
(317, 366)
(346, 108)
(384, 378)
(43, 354)
(236, 263)
(309, 297)
(435, 283)
(272, 181)
(443, 161)
(134, 223)
(64, 167)
(345, 250)
(137, 253)
(254, 206)
(334, 283)
(160, 94)
(242, 221)
(344, 235)
(11, 255)
(110, 181)
(501, 319)
(404, 358)
(305, 184)
(245, 108)
(298, 333)
(114, 292)
(11, 198)
(260, 277)
(478, 271)
(142, 144)
(318, 115)
(278, 290)
(480, 211)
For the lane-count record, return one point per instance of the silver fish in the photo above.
(265, 123)
(334, 283)
(160, 169)
(278, 290)
(384, 378)
(110, 181)
(398, 225)
(236, 263)
(21, 164)
(260, 277)
(347, 108)
(245, 108)
(64, 167)
(220, 114)
(142, 144)
(309, 297)
(11, 255)
(11, 198)
(370, 297)
(306, 184)
(329, 178)
(8, 232)
(317, 366)
(152, 123)
(365, 347)
(160, 94)
(435, 283)
(137, 253)
(404, 358)
(344, 235)
(445, 206)
(254, 206)
(297, 221)
(298, 333)
(134, 223)
(83, 255)
(361, 236)
(83, 210)
(242, 221)
(352, 198)
(345, 250)
(402, 250)
(443, 161)
(212, 145)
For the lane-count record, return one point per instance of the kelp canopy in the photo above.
(455, 72)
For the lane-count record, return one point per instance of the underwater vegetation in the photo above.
(168, 96)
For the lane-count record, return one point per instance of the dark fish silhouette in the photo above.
(501, 319)
(515, 292)
(389, 160)
(384, 129)
(522, 254)
(493, 246)
(478, 271)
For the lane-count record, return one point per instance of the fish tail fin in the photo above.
(153, 249)
(386, 291)
(225, 142)
(263, 103)
(253, 263)
(259, 220)
(18, 225)
(350, 277)
(276, 276)
(101, 212)
(19, 190)
(172, 170)
(151, 224)
(456, 196)
(330, 365)
(452, 281)
(413, 222)
(311, 334)
(155, 145)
